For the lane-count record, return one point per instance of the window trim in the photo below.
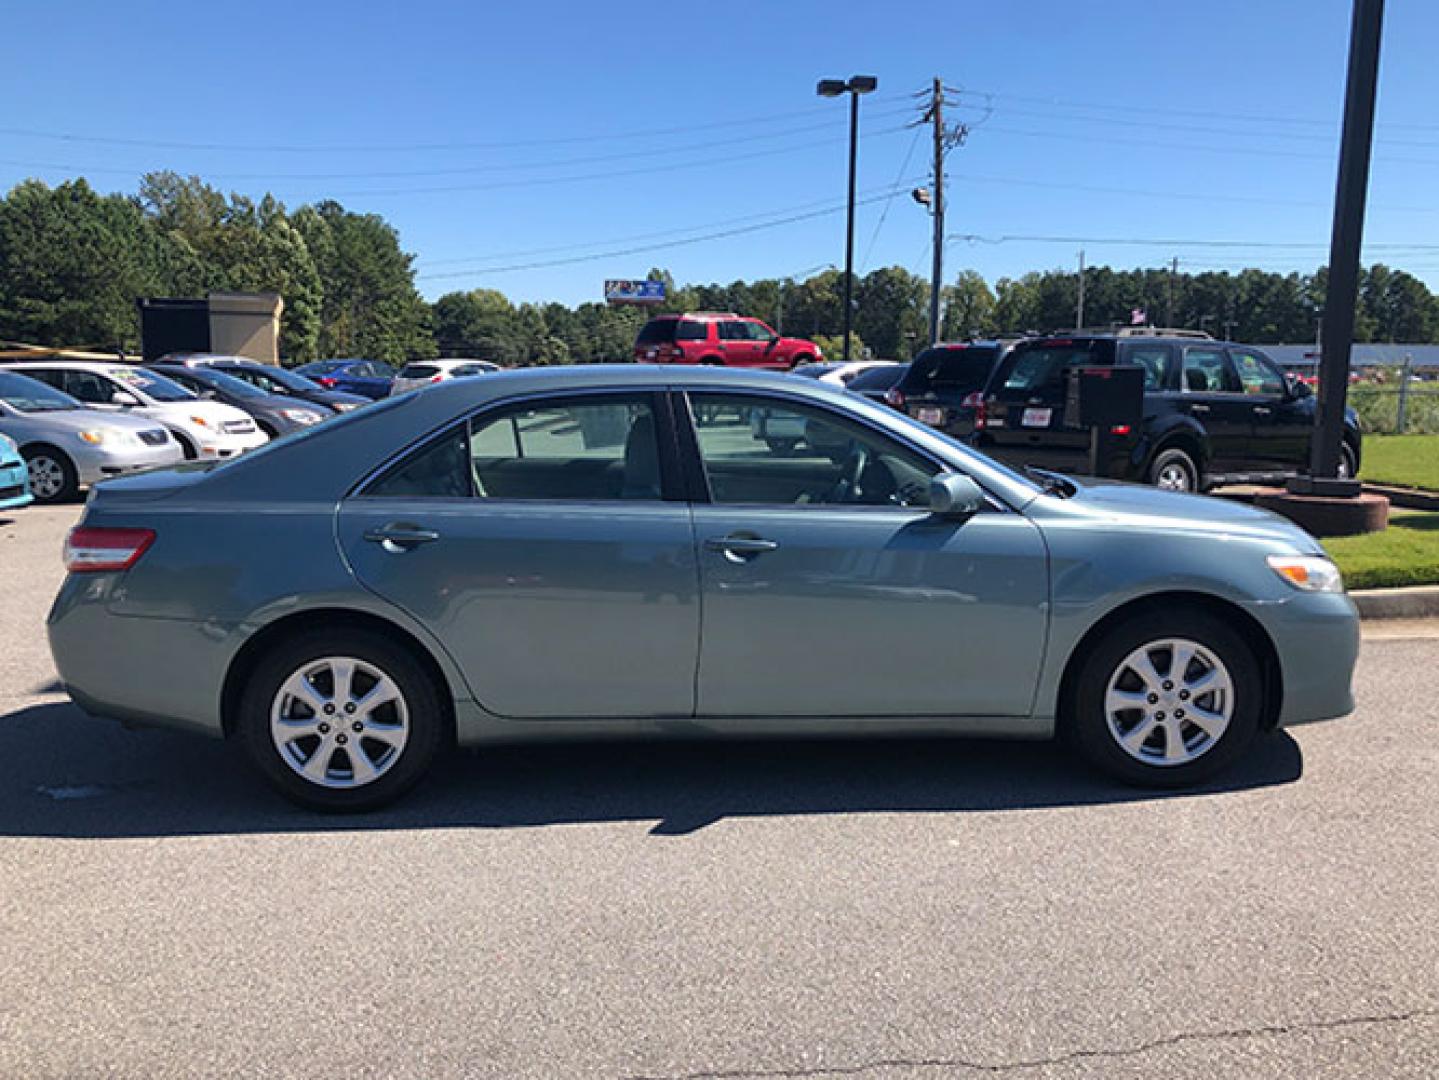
(697, 480)
(670, 487)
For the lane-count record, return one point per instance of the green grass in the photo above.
(1406, 553)
(1408, 460)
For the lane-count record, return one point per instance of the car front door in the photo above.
(545, 544)
(829, 590)
(1282, 423)
(1211, 395)
(766, 346)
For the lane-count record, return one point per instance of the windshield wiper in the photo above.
(1052, 483)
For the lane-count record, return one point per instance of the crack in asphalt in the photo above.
(1264, 1031)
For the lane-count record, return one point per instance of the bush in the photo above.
(832, 345)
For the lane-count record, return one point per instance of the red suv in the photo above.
(729, 340)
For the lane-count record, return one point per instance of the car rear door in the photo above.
(1281, 423)
(546, 545)
(808, 556)
(1212, 396)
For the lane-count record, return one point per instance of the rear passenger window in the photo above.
(689, 330)
(577, 449)
(1207, 371)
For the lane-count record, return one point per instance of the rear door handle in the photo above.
(739, 549)
(1262, 410)
(1199, 408)
(398, 536)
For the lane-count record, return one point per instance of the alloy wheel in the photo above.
(1169, 702)
(339, 722)
(1173, 477)
(47, 477)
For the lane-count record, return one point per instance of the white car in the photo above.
(836, 373)
(424, 372)
(205, 430)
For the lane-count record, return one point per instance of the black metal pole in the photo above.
(849, 226)
(1344, 248)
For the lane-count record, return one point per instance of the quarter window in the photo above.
(690, 330)
(770, 451)
(1207, 371)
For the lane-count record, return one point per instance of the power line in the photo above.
(976, 238)
(164, 144)
(884, 213)
(617, 253)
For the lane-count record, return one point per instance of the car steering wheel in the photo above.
(847, 487)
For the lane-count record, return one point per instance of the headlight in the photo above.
(301, 416)
(1312, 573)
(105, 436)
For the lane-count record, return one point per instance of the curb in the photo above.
(1408, 498)
(1413, 602)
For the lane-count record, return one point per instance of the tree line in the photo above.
(73, 262)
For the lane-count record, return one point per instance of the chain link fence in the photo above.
(1397, 402)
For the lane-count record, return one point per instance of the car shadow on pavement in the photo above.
(66, 775)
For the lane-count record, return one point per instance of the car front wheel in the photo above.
(1167, 699)
(341, 720)
(52, 475)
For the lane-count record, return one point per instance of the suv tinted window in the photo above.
(1256, 374)
(1207, 371)
(959, 370)
(1157, 362)
(733, 330)
(757, 331)
(657, 332)
(878, 378)
(691, 330)
(1041, 369)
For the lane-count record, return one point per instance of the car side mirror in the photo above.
(1299, 390)
(125, 398)
(954, 495)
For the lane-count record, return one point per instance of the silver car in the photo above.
(68, 446)
(613, 551)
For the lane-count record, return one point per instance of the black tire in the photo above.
(268, 430)
(1172, 462)
(53, 478)
(800, 360)
(1086, 727)
(427, 718)
(1348, 461)
(782, 447)
(712, 361)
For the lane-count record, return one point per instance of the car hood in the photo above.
(215, 411)
(79, 420)
(1146, 509)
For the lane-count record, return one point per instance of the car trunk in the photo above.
(1024, 414)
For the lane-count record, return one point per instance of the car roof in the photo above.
(98, 366)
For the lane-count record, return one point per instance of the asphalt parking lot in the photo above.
(907, 909)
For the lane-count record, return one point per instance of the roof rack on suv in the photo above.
(711, 315)
(1120, 330)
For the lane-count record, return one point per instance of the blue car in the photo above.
(614, 551)
(14, 476)
(370, 378)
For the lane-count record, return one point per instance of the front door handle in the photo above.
(398, 536)
(1199, 408)
(1262, 410)
(740, 549)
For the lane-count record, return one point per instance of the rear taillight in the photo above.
(437, 378)
(981, 412)
(93, 549)
(327, 382)
(974, 400)
(894, 397)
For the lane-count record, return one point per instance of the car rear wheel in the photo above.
(1174, 470)
(52, 475)
(341, 721)
(1166, 699)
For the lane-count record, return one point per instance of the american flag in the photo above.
(1137, 316)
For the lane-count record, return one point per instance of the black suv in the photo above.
(1214, 412)
(945, 383)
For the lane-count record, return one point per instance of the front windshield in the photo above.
(152, 384)
(270, 378)
(29, 395)
(218, 380)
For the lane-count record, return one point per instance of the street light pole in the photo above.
(858, 84)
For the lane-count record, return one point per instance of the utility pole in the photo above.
(936, 277)
(1079, 312)
(1169, 306)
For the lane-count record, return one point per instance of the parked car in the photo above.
(205, 430)
(1214, 412)
(14, 477)
(876, 383)
(424, 372)
(66, 446)
(273, 380)
(837, 373)
(639, 573)
(723, 339)
(945, 384)
(275, 415)
(368, 378)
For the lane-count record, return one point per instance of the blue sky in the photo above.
(495, 136)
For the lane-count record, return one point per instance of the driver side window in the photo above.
(758, 450)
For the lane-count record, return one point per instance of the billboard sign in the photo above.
(634, 292)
